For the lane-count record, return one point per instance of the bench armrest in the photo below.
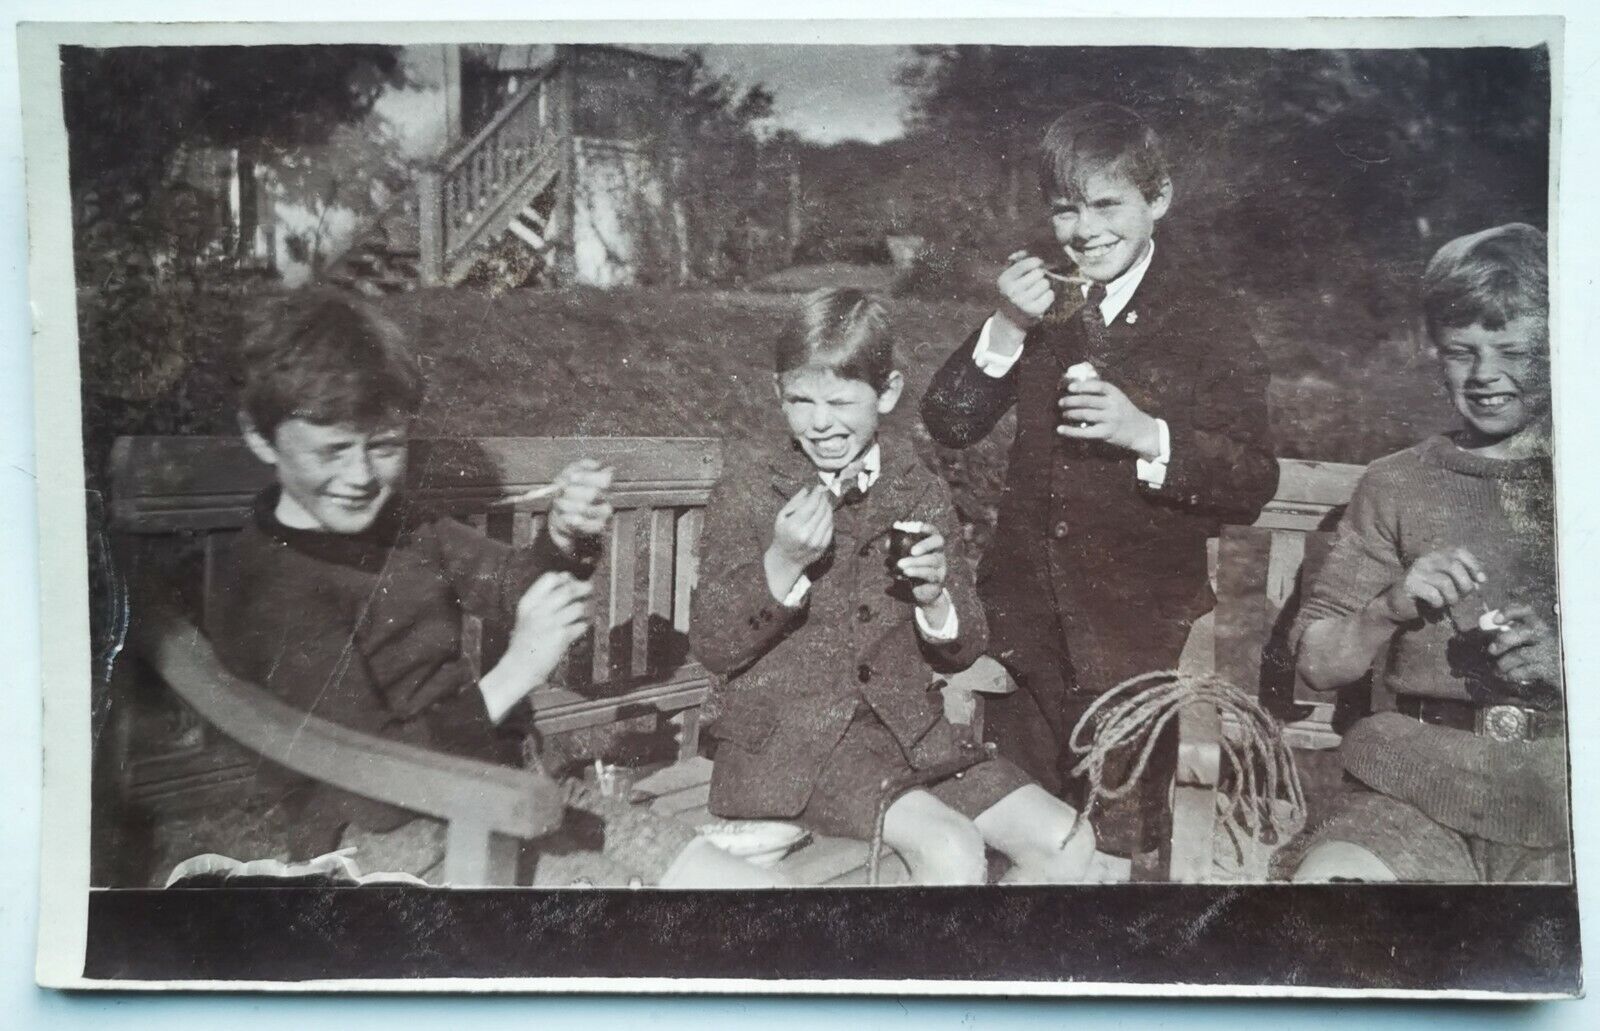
(484, 796)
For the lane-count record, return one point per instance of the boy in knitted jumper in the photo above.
(344, 597)
(1443, 577)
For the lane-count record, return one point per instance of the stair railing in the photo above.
(465, 199)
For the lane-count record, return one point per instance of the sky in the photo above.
(824, 93)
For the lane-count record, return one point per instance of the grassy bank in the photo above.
(696, 363)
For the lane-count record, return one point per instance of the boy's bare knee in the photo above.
(703, 865)
(938, 844)
(947, 852)
(1341, 860)
(1040, 834)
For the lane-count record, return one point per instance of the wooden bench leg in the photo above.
(474, 856)
(1194, 796)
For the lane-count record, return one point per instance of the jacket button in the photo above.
(864, 614)
(1060, 530)
(864, 550)
(863, 672)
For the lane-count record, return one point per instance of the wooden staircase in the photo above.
(496, 212)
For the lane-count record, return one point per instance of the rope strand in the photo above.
(1261, 767)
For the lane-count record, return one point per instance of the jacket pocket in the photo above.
(747, 726)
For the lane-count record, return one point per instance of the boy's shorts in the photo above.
(844, 802)
(1417, 848)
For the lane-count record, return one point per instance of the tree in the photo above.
(131, 111)
(726, 176)
(151, 238)
(1296, 155)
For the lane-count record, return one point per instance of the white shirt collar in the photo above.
(1120, 290)
(871, 465)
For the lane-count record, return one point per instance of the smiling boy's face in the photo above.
(1499, 379)
(334, 478)
(1106, 229)
(832, 418)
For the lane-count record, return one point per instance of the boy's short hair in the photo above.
(1487, 278)
(326, 357)
(1093, 138)
(844, 330)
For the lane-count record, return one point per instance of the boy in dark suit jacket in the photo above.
(1121, 467)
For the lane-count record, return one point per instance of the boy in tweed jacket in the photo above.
(828, 654)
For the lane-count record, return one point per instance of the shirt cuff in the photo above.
(1153, 471)
(988, 362)
(797, 594)
(939, 635)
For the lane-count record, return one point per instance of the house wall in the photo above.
(621, 224)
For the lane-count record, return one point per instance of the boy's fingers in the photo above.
(1429, 595)
(932, 543)
(1470, 561)
(1515, 668)
(1093, 431)
(547, 584)
(1460, 578)
(1086, 388)
(816, 511)
(1519, 613)
(1509, 640)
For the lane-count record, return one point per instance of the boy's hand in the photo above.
(1093, 409)
(804, 527)
(551, 614)
(580, 508)
(1527, 651)
(1025, 291)
(1436, 580)
(926, 566)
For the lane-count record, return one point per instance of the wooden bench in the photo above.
(174, 496)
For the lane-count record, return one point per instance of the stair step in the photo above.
(526, 235)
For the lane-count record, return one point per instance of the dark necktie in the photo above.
(1094, 326)
(850, 492)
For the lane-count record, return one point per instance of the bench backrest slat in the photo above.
(168, 484)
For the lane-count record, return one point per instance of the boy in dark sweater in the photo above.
(345, 598)
(1141, 427)
(1445, 567)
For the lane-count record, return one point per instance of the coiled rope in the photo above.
(1260, 766)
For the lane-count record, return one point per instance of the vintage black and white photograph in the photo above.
(803, 475)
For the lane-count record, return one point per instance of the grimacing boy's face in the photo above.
(1498, 379)
(334, 478)
(832, 418)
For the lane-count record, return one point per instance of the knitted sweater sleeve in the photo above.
(490, 576)
(1365, 559)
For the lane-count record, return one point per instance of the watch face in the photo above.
(1505, 723)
